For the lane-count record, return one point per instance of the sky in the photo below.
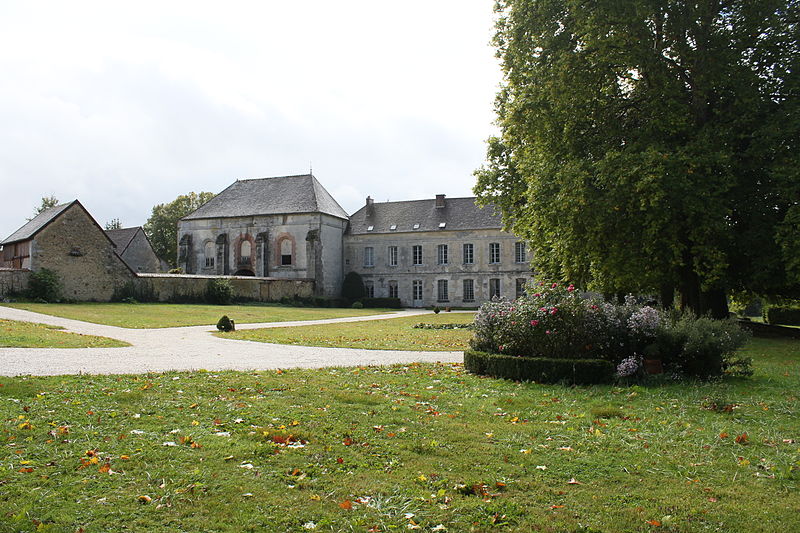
(124, 106)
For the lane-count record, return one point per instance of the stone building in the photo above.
(135, 249)
(284, 227)
(446, 252)
(67, 240)
(442, 251)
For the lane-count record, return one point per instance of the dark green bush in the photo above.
(219, 291)
(131, 292)
(357, 305)
(782, 314)
(226, 324)
(353, 287)
(44, 285)
(389, 303)
(539, 369)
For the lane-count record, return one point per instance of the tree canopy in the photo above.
(114, 223)
(651, 145)
(162, 226)
(47, 203)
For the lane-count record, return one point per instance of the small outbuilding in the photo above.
(135, 249)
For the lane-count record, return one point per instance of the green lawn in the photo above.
(385, 448)
(389, 334)
(14, 334)
(142, 315)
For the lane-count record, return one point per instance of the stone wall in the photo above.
(82, 255)
(13, 281)
(168, 287)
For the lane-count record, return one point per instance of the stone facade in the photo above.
(75, 247)
(291, 246)
(444, 274)
(171, 287)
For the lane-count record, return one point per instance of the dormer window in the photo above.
(393, 227)
(370, 228)
(416, 226)
(442, 225)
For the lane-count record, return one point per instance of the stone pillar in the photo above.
(314, 259)
(223, 258)
(262, 254)
(186, 254)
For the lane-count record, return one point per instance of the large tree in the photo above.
(651, 145)
(162, 226)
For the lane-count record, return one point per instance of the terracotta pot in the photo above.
(653, 366)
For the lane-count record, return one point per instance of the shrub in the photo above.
(783, 315)
(132, 292)
(389, 303)
(44, 285)
(175, 271)
(226, 324)
(539, 369)
(357, 305)
(436, 309)
(219, 291)
(352, 286)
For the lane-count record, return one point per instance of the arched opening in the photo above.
(244, 252)
(210, 254)
(244, 272)
(286, 252)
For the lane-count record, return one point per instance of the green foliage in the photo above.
(651, 146)
(436, 309)
(114, 223)
(162, 226)
(357, 305)
(383, 303)
(424, 325)
(787, 315)
(44, 285)
(47, 203)
(134, 291)
(539, 369)
(225, 324)
(219, 291)
(353, 286)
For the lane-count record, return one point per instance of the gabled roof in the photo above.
(270, 196)
(457, 214)
(37, 223)
(122, 237)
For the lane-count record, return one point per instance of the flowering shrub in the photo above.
(551, 320)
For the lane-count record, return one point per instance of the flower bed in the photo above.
(554, 323)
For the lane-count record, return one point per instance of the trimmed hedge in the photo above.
(539, 369)
(372, 303)
(784, 315)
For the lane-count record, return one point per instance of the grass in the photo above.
(385, 448)
(14, 334)
(159, 315)
(388, 334)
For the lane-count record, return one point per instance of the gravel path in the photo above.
(191, 348)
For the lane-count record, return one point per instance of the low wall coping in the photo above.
(204, 276)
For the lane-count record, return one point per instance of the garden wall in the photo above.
(177, 287)
(13, 281)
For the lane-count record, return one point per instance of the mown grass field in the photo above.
(389, 334)
(424, 447)
(152, 315)
(15, 334)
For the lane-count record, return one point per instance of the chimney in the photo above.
(439, 201)
(370, 208)
(369, 201)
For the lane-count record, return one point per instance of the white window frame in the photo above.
(392, 255)
(494, 253)
(520, 252)
(442, 291)
(416, 255)
(469, 290)
(394, 288)
(369, 256)
(441, 254)
(495, 288)
(416, 290)
(469, 258)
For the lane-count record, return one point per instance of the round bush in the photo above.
(357, 305)
(219, 291)
(225, 324)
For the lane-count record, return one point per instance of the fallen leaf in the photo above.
(742, 439)
(347, 504)
(655, 523)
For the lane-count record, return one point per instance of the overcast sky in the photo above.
(127, 105)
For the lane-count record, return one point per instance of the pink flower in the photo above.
(554, 285)
(541, 283)
(547, 332)
(500, 348)
(553, 311)
(537, 295)
(594, 306)
(534, 322)
(513, 323)
(543, 309)
(571, 287)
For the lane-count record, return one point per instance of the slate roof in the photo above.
(270, 196)
(457, 214)
(36, 224)
(122, 237)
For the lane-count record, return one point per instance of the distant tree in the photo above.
(651, 146)
(353, 287)
(114, 223)
(47, 203)
(162, 226)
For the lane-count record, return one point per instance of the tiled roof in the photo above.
(457, 214)
(122, 237)
(36, 224)
(270, 196)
